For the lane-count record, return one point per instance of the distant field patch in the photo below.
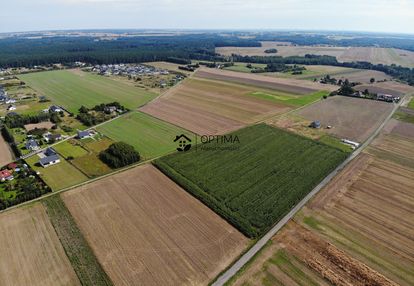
(343, 114)
(374, 55)
(74, 89)
(59, 176)
(215, 107)
(291, 100)
(31, 253)
(271, 83)
(150, 136)
(144, 229)
(256, 185)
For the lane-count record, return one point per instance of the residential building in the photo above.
(32, 145)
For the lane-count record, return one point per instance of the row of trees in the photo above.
(14, 120)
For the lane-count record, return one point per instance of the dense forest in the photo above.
(16, 52)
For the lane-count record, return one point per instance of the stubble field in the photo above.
(284, 85)
(375, 55)
(389, 87)
(6, 155)
(31, 253)
(350, 118)
(143, 227)
(219, 106)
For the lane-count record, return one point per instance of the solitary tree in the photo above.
(372, 80)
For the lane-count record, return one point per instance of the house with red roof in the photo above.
(6, 175)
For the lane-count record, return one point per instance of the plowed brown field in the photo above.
(212, 107)
(6, 155)
(30, 251)
(146, 230)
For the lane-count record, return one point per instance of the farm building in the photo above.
(315, 124)
(55, 108)
(387, 97)
(84, 134)
(49, 137)
(50, 157)
(32, 145)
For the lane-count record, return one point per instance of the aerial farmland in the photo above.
(371, 241)
(264, 183)
(132, 157)
(217, 102)
(24, 234)
(144, 227)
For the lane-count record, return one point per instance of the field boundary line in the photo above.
(234, 269)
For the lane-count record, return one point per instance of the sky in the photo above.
(396, 16)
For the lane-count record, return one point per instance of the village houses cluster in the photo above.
(128, 70)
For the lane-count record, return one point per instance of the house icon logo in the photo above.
(184, 143)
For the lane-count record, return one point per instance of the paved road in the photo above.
(226, 276)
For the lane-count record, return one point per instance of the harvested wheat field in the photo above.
(6, 155)
(146, 230)
(213, 107)
(297, 256)
(283, 49)
(386, 56)
(31, 253)
(344, 114)
(280, 84)
(388, 87)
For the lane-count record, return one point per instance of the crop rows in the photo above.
(256, 184)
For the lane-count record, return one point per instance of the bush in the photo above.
(119, 154)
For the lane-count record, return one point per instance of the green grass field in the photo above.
(241, 67)
(254, 186)
(151, 137)
(80, 255)
(289, 99)
(73, 89)
(69, 149)
(91, 165)
(411, 103)
(403, 116)
(59, 176)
